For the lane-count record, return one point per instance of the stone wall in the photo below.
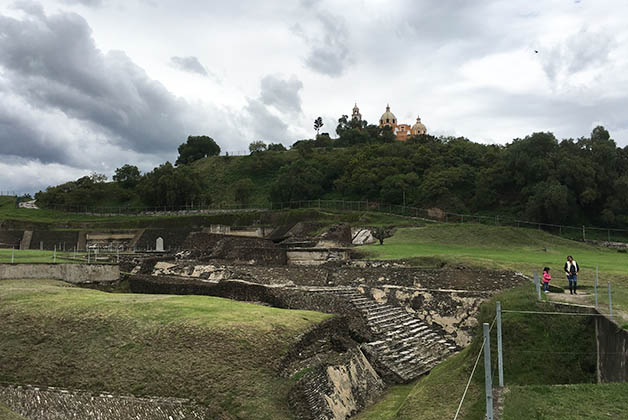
(37, 403)
(612, 342)
(10, 238)
(348, 274)
(454, 312)
(316, 256)
(173, 238)
(280, 297)
(72, 273)
(338, 390)
(62, 239)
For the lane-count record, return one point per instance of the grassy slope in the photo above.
(537, 350)
(571, 402)
(512, 248)
(217, 351)
(223, 172)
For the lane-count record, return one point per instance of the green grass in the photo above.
(510, 248)
(538, 350)
(220, 352)
(389, 405)
(571, 402)
(36, 256)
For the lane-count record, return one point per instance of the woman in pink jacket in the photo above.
(546, 279)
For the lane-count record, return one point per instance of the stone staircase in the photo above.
(405, 347)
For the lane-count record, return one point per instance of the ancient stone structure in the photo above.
(72, 273)
(47, 403)
(612, 343)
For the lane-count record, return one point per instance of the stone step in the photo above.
(383, 310)
(385, 316)
(379, 320)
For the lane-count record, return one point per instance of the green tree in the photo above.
(276, 147)
(257, 146)
(242, 190)
(127, 176)
(97, 178)
(196, 147)
(170, 186)
(318, 124)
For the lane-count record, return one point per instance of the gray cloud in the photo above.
(581, 51)
(328, 43)
(283, 94)
(189, 64)
(262, 124)
(90, 3)
(52, 65)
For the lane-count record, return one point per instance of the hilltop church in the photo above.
(388, 119)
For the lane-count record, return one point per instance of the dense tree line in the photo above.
(536, 177)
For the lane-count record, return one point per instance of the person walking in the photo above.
(546, 279)
(572, 269)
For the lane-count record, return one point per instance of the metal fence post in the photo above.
(54, 255)
(610, 302)
(488, 385)
(595, 285)
(500, 355)
(12, 255)
(537, 284)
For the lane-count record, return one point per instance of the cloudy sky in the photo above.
(89, 85)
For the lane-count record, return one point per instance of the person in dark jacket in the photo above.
(572, 269)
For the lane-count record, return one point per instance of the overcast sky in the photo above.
(89, 85)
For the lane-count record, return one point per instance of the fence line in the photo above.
(433, 214)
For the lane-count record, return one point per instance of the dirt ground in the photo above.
(585, 299)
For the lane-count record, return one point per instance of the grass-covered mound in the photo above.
(219, 352)
(511, 248)
(567, 402)
(538, 350)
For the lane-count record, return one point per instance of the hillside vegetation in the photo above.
(583, 181)
(220, 352)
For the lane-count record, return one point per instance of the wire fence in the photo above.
(582, 233)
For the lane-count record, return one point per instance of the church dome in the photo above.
(418, 127)
(388, 117)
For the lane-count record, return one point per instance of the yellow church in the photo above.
(402, 131)
(388, 119)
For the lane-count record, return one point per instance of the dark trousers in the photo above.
(573, 282)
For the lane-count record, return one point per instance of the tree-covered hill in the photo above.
(537, 177)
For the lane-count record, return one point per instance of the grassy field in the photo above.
(36, 256)
(538, 350)
(219, 352)
(510, 248)
(567, 402)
